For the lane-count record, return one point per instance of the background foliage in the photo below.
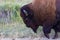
(10, 21)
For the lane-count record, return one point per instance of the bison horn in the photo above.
(25, 12)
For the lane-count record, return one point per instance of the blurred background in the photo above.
(11, 23)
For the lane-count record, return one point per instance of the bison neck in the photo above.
(44, 10)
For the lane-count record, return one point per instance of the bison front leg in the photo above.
(46, 30)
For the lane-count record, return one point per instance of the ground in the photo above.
(37, 36)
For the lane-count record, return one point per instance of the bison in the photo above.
(45, 13)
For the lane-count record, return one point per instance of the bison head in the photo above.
(28, 18)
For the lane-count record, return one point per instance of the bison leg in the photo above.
(56, 28)
(46, 30)
(56, 32)
(55, 36)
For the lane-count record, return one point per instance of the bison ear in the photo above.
(26, 13)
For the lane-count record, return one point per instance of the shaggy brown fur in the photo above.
(44, 10)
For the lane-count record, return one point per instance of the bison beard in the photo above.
(41, 13)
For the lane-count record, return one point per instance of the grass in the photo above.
(16, 24)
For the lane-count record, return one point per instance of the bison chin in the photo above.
(34, 28)
(32, 25)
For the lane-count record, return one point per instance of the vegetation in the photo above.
(10, 20)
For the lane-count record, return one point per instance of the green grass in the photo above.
(16, 24)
